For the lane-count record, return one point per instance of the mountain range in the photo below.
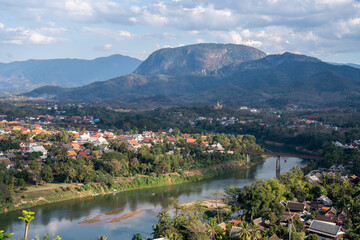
(30, 74)
(232, 74)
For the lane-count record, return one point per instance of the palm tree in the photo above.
(245, 232)
(212, 227)
(137, 236)
(170, 235)
(255, 231)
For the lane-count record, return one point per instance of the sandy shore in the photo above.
(100, 217)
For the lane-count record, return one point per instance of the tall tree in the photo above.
(26, 217)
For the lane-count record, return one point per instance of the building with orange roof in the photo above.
(16, 128)
(25, 130)
(191, 140)
(75, 145)
(96, 135)
(37, 126)
(132, 144)
(72, 153)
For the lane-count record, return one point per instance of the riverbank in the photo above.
(52, 193)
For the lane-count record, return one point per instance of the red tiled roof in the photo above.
(133, 142)
(6, 161)
(235, 221)
(83, 154)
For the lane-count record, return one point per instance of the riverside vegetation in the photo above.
(122, 169)
(261, 199)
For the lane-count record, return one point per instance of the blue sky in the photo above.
(46, 29)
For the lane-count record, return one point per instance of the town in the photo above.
(40, 149)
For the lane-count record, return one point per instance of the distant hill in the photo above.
(129, 87)
(274, 80)
(197, 59)
(30, 74)
(353, 65)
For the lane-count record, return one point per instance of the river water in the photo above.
(109, 215)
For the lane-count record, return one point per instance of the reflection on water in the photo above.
(63, 218)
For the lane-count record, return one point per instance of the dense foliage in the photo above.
(263, 199)
(160, 158)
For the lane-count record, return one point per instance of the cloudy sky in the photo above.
(44, 29)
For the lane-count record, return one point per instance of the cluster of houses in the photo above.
(354, 145)
(77, 145)
(226, 121)
(295, 122)
(47, 119)
(327, 224)
(315, 176)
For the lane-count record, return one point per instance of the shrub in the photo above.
(5, 195)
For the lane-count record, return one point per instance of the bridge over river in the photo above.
(278, 155)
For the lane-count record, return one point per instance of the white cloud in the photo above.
(37, 38)
(153, 19)
(317, 26)
(240, 38)
(20, 35)
(108, 46)
(200, 17)
(105, 47)
(117, 35)
(53, 30)
(79, 7)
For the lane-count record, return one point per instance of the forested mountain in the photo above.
(197, 59)
(30, 74)
(274, 80)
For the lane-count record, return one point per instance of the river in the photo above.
(108, 215)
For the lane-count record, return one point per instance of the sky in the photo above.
(87, 29)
